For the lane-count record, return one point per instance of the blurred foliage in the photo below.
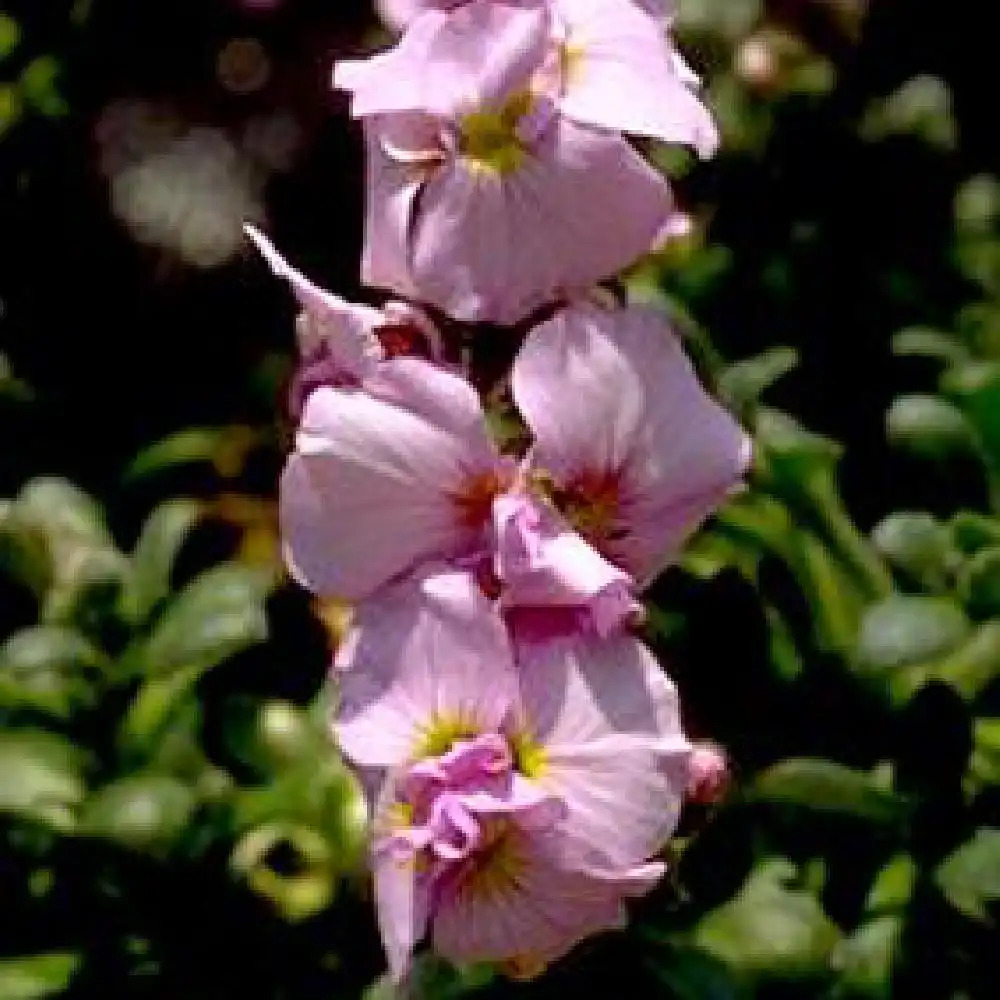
(173, 821)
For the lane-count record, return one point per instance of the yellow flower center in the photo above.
(489, 139)
(529, 755)
(438, 735)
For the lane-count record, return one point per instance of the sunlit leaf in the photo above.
(41, 778)
(970, 876)
(143, 812)
(36, 977)
(818, 784)
(161, 538)
(770, 929)
(218, 614)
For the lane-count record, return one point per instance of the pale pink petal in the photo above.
(391, 189)
(636, 413)
(427, 651)
(343, 328)
(614, 751)
(541, 562)
(621, 74)
(495, 247)
(402, 889)
(533, 916)
(371, 487)
(577, 691)
(623, 798)
(448, 63)
(582, 399)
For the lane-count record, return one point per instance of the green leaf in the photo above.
(864, 960)
(972, 532)
(977, 205)
(925, 342)
(975, 387)
(744, 382)
(224, 448)
(892, 890)
(930, 427)
(10, 35)
(160, 540)
(979, 583)
(40, 84)
(824, 785)
(272, 735)
(916, 544)
(984, 764)
(154, 710)
(969, 668)
(218, 614)
(769, 929)
(50, 670)
(970, 877)
(905, 629)
(63, 511)
(37, 976)
(146, 812)
(41, 778)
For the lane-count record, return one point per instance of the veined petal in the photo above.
(637, 414)
(496, 245)
(621, 74)
(429, 661)
(623, 797)
(371, 487)
(575, 692)
(529, 910)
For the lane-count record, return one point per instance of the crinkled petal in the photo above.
(429, 651)
(542, 562)
(636, 412)
(496, 246)
(370, 490)
(621, 74)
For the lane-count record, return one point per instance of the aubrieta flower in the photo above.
(484, 197)
(629, 455)
(522, 752)
(527, 790)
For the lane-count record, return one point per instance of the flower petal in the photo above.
(428, 652)
(637, 412)
(621, 74)
(531, 913)
(496, 246)
(577, 691)
(613, 749)
(344, 329)
(543, 563)
(371, 487)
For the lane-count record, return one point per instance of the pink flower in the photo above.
(636, 453)
(400, 471)
(484, 199)
(509, 785)
(340, 342)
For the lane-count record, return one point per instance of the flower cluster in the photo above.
(523, 751)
